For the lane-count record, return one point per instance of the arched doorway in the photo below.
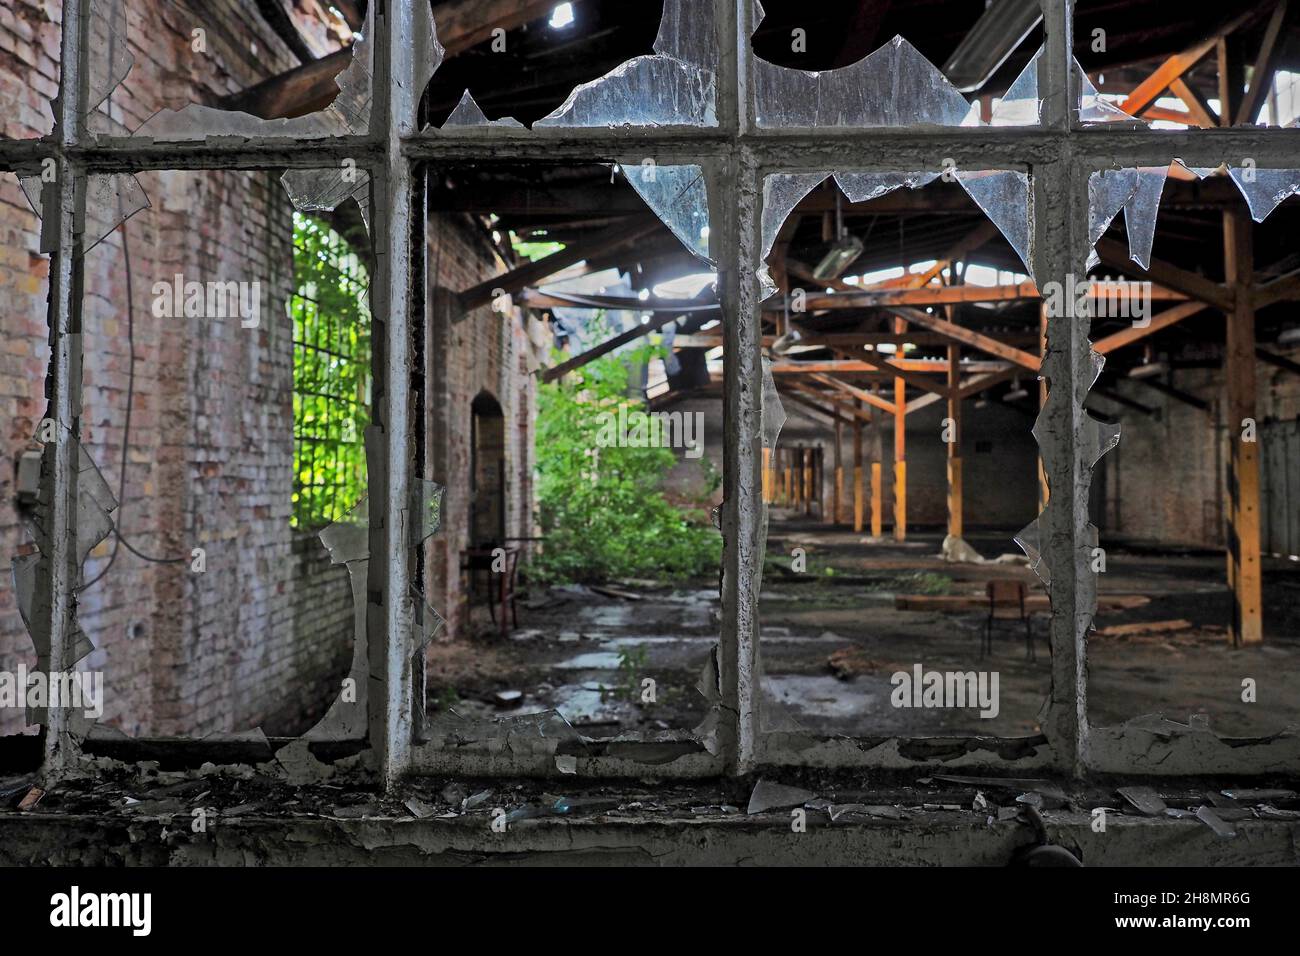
(487, 525)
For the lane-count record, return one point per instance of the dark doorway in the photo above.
(487, 472)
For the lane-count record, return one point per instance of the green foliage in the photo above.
(532, 250)
(331, 374)
(602, 509)
(631, 662)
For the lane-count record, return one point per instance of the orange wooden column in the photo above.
(1043, 490)
(858, 502)
(900, 449)
(1242, 505)
(877, 473)
(954, 442)
(838, 493)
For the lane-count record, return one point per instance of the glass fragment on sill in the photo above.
(468, 113)
(893, 86)
(1265, 189)
(111, 199)
(1004, 196)
(679, 196)
(676, 86)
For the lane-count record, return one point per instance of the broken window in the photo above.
(590, 491)
(863, 82)
(331, 374)
(882, 281)
(876, 64)
(1181, 81)
(1184, 655)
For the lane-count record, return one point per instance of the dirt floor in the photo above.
(833, 637)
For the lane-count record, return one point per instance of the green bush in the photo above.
(602, 509)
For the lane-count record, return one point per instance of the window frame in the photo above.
(1058, 154)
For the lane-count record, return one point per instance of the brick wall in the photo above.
(484, 351)
(263, 636)
(1165, 481)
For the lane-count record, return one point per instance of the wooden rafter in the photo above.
(1167, 318)
(533, 272)
(1116, 255)
(975, 340)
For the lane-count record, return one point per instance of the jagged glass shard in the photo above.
(1108, 191)
(1200, 171)
(1098, 362)
(1094, 109)
(1003, 195)
(773, 410)
(349, 113)
(348, 539)
(468, 113)
(109, 57)
(674, 87)
(1141, 211)
(428, 622)
(111, 199)
(894, 86)
(95, 505)
(427, 56)
(781, 193)
(1097, 438)
(426, 507)
(679, 196)
(1030, 542)
(863, 187)
(1265, 189)
(1020, 105)
(323, 190)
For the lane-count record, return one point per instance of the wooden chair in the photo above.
(1007, 602)
(501, 582)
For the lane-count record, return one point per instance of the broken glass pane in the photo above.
(1265, 189)
(324, 190)
(1141, 210)
(111, 199)
(1108, 191)
(468, 113)
(1093, 108)
(674, 87)
(894, 86)
(1004, 196)
(1020, 105)
(781, 193)
(679, 196)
